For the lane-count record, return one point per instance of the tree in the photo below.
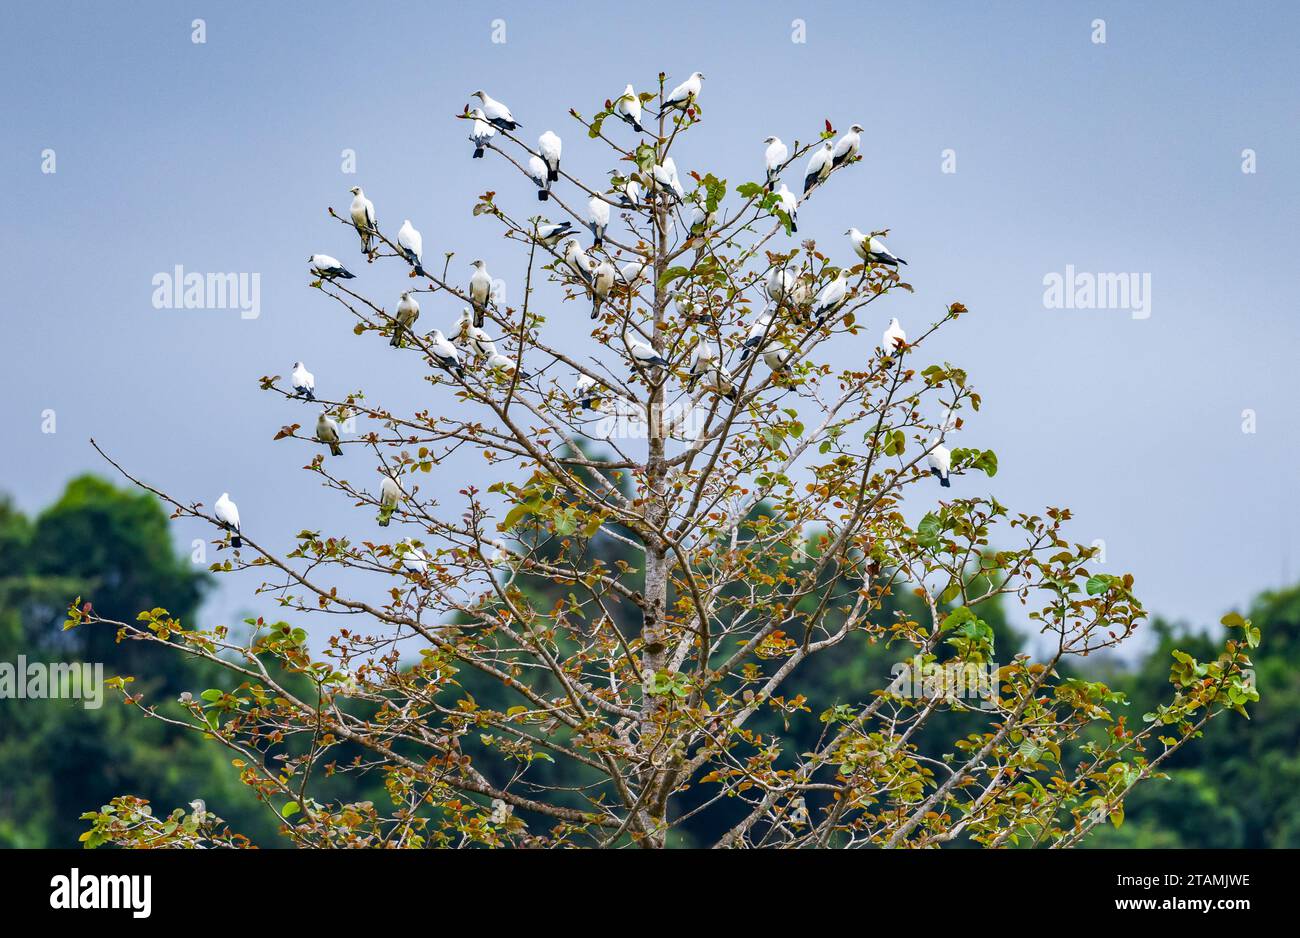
(1204, 804)
(713, 509)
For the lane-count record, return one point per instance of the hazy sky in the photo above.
(1124, 156)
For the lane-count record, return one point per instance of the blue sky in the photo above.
(1117, 157)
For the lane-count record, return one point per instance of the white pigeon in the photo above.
(685, 307)
(327, 431)
(661, 179)
(775, 357)
(871, 249)
(538, 173)
(820, 165)
(774, 158)
(602, 281)
(940, 462)
(701, 221)
(390, 493)
(584, 390)
(831, 297)
(643, 353)
(705, 357)
(670, 166)
(578, 261)
(475, 341)
(599, 210)
(633, 271)
(444, 353)
(413, 559)
(304, 382)
(719, 382)
(790, 205)
(497, 114)
(481, 133)
(628, 107)
(665, 177)
(684, 93)
(550, 233)
(894, 338)
(408, 311)
(412, 245)
(802, 291)
(504, 363)
(328, 268)
(363, 218)
(228, 514)
(480, 290)
(549, 145)
(779, 284)
(754, 338)
(847, 146)
(631, 192)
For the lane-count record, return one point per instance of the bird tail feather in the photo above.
(336, 450)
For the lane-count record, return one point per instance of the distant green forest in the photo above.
(1237, 787)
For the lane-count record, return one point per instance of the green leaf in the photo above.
(927, 533)
(517, 514)
(671, 274)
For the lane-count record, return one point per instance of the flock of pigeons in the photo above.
(600, 277)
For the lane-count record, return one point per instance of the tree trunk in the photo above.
(654, 651)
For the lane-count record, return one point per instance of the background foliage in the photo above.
(1238, 787)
